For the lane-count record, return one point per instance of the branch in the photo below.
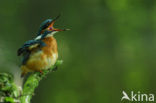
(9, 91)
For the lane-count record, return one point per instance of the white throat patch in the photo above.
(49, 35)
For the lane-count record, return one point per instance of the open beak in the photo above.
(51, 28)
(60, 29)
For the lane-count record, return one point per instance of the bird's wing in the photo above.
(28, 47)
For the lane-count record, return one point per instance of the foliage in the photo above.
(11, 94)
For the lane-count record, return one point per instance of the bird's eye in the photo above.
(50, 28)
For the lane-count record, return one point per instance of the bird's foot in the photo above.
(41, 72)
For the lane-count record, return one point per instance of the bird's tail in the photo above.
(24, 70)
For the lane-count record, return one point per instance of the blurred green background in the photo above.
(111, 47)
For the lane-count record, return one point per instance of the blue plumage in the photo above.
(44, 25)
(25, 50)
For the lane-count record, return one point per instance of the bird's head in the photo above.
(47, 29)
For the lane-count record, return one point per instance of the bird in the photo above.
(41, 52)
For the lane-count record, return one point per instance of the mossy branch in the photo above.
(9, 91)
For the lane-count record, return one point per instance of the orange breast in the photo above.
(44, 58)
(51, 46)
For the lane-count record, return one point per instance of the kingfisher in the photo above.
(40, 53)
